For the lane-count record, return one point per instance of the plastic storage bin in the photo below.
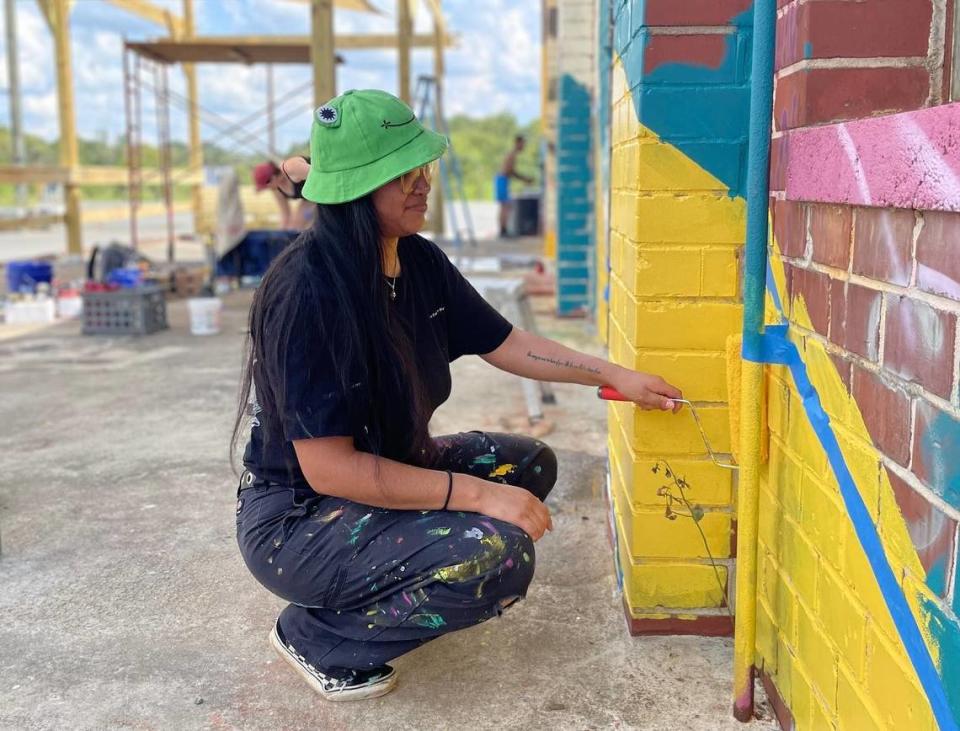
(139, 311)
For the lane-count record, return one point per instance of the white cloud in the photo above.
(496, 66)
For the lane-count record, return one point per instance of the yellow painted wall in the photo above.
(824, 634)
(675, 235)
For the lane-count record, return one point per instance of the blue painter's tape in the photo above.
(772, 289)
(772, 346)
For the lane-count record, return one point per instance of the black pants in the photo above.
(367, 584)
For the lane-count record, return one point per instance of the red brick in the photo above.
(814, 287)
(830, 228)
(938, 254)
(694, 12)
(820, 95)
(838, 313)
(841, 29)
(948, 52)
(932, 532)
(918, 344)
(936, 451)
(883, 241)
(886, 412)
(779, 154)
(862, 322)
(707, 51)
(790, 227)
(843, 367)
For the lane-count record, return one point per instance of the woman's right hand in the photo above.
(516, 505)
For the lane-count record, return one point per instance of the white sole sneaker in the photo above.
(331, 689)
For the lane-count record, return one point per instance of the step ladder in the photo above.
(427, 102)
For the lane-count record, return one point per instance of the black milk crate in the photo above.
(135, 311)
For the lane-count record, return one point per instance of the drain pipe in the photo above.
(754, 289)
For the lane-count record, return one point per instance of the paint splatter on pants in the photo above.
(369, 584)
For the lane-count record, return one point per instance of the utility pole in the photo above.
(16, 114)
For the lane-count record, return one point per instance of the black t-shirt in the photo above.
(445, 317)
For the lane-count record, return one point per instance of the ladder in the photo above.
(427, 100)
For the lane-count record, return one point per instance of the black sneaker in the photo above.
(355, 685)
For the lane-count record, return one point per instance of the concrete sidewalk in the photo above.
(125, 603)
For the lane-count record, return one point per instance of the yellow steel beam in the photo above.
(30, 221)
(47, 10)
(153, 13)
(322, 51)
(96, 175)
(122, 212)
(404, 34)
(16, 174)
(92, 175)
(360, 6)
(193, 113)
(343, 41)
(69, 151)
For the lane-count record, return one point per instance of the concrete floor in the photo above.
(125, 603)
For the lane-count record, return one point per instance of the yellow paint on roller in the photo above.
(734, 362)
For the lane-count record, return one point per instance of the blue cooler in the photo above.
(24, 276)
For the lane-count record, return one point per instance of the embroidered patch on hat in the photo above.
(327, 114)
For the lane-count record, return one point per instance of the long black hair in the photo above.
(324, 299)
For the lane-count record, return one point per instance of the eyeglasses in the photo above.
(408, 181)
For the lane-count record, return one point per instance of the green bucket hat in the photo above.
(362, 140)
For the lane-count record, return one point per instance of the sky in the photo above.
(495, 67)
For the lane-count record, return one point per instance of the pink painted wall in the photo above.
(907, 160)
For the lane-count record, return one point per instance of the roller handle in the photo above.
(609, 393)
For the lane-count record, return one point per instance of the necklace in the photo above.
(393, 287)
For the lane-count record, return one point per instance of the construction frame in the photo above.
(182, 46)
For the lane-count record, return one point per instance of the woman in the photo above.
(381, 537)
(286, 181)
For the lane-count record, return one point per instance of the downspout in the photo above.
(754, 289)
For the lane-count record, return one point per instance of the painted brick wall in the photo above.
(600, 287)
(678, 139)
(577, 51)
(548, 115)
(864, 260)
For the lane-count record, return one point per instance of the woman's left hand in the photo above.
(648, 391)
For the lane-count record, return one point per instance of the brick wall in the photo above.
(867, 272)
(678, 131)
(601, 123)
(548, 116)
(576, 49)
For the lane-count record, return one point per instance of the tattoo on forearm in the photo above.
(563, 363)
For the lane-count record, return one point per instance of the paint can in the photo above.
(205, 315)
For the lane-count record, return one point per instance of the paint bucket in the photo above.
(205, 315)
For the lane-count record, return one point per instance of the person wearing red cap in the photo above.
(286, 181)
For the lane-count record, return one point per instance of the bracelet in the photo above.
(449, 489)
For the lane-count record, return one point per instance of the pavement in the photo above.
(125, 603)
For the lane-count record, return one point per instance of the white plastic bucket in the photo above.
(205, 315)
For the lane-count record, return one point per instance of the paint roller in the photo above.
(733, 368)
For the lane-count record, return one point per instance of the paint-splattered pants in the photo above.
(369, 584)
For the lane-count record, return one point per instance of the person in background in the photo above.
(286, 181)
(501, 182)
